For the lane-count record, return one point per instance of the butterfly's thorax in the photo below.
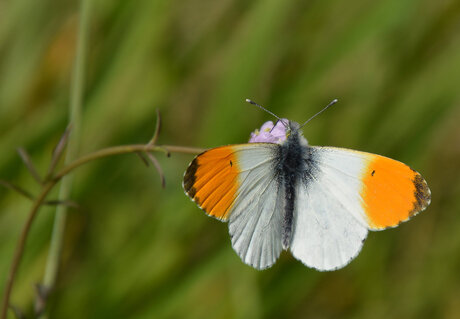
(289, 168)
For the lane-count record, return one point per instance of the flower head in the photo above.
(270, 133)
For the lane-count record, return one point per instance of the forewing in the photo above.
(238, 183)
(389, 192)
(342, 195)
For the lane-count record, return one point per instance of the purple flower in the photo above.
(270, 134)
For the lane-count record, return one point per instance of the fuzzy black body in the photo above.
(291, 166)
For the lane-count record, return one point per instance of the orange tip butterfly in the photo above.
(278, 193)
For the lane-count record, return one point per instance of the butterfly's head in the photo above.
(283, 130)
(294, 132)
(292, 128)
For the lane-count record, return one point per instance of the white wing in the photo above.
(238, 183)
(255, 221)
(344, 193)
(329, 223)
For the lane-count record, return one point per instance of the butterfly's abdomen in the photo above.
(290, 167)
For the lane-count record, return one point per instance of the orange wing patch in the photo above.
(392, 192)
(211, 181)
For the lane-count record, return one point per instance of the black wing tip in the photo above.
(190, 178)
(422, 195)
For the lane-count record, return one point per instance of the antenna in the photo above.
(324, 109)
(279, 119)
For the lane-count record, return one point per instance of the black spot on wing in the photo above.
(373, 172)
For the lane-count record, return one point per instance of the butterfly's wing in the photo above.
(237, 184)
(345, 193)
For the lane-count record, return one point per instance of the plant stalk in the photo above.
(49, 185)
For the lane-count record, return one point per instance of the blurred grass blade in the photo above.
(76, 96)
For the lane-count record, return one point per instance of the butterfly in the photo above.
(318, 202)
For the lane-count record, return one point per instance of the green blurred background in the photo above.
(134, 250)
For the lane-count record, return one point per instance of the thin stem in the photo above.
(183, 149)
(124, 149)
(48, 186)
(57, 152)
(76, 93)
(28, 162)
(154, 139)
(20, 246)
(16, 188)
(157, 166)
